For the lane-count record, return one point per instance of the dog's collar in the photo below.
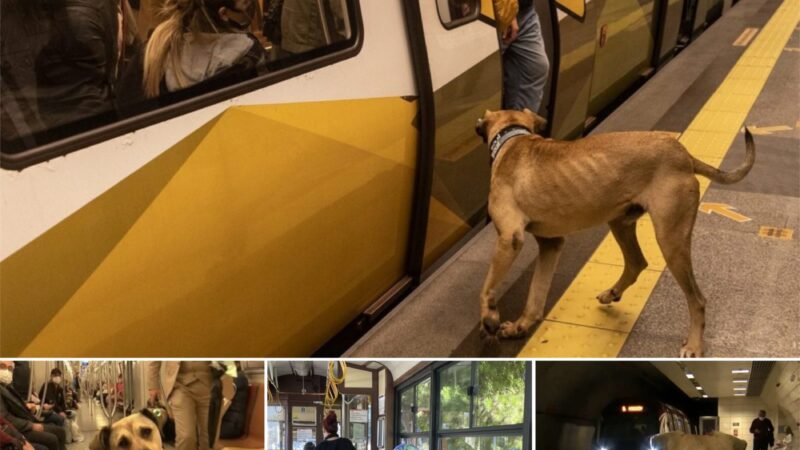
(503, 136)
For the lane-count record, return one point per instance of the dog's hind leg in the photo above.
(546, 262)
(511, 237)
(624, 232)
(673, 215)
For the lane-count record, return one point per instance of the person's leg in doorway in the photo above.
(525, 65)
(184, 412)
(202, 400)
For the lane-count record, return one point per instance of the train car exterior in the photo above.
(629, 424)
(265, 216)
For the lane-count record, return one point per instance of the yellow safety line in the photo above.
(578, 325)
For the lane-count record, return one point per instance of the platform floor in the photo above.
(750, 281)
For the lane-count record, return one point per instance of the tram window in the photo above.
(481, 442)
(453, 13)
(455, 382)
(87, 65)
(500, 396)
(276, 431)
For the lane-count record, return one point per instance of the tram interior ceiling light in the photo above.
(705, 395)
(690, 375)
(740, 371)
(632, 408)
(740, 381)
(699, 388)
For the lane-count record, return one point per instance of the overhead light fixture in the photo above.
(699, 388)
(740, 381)
(739, 395)
(740, 371)
(705, 395)
(690, 375)
(739, 389)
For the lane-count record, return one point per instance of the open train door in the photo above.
(466, 76)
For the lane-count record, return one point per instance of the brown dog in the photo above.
(553, 188)
(140, 431)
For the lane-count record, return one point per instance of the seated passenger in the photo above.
(234, 421)
(53, 402)
(310, 24)
(17, 411)
(198, 40)
(12, 439)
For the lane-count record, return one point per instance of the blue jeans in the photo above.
(525, 65)
(54, 418)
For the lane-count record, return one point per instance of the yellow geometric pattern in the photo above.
(578, 326)
(271, 230)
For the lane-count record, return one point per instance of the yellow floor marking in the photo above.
(768, 130)
(784, 234)
(578, 325)
(724, 210)
(747, 35)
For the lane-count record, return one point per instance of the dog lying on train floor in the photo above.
(140, 431)
(552, 188)
(678, 440)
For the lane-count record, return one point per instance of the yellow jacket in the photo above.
(505, 11)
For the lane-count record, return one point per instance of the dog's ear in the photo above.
(538, 123)
(100, 441)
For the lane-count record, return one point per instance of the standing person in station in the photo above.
(331, 439)
(762, 431)
(187, 388)
(525, 62)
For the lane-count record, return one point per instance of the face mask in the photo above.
(6, 376)
(57, 380)
(761, 418)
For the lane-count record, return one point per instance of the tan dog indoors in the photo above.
(553, 188)
(140, 431)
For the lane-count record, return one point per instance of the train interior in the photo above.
(107, 391)
(425, 405)
(620, 405)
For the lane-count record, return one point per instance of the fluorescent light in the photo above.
(699, 388)
(740, 371)
(705, 395)
(739, 389)
(739, 395)
(690, 375)
(740, 381)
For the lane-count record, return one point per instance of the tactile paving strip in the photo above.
(578, 326)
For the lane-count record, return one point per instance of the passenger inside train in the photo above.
(91, 63)
(667, 405)
(97, 405)
(404, 405)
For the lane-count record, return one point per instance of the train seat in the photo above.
(254, 428)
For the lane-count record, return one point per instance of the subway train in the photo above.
(620, 405)
(92, 395)
(284, 207)
(628, 424)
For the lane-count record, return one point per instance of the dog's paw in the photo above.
(609, 296)
(689, 351)
(512, 330)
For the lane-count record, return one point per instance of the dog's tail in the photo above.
(719, 176)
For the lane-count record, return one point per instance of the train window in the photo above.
(415, 414)
(89, 71)
(454, 13)
(500, 393)
(276, 427)
(482, 442)
(456, 382)
(575, 8)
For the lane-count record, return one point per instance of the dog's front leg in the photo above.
(505, 251)
(546, 262)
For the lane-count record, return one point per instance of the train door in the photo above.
(259, 218)
(624, 48)
(466, 75)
